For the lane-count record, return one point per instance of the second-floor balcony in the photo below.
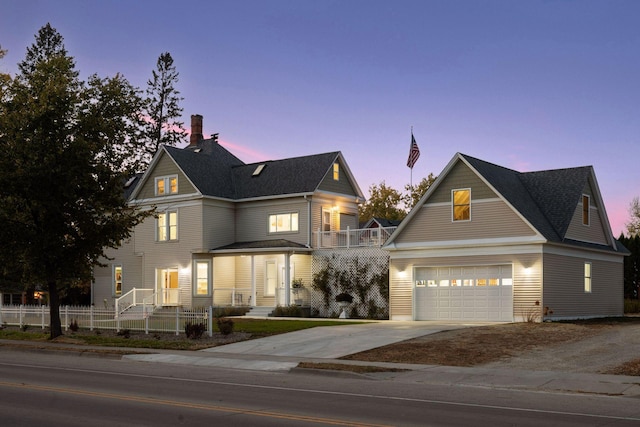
(364, 237)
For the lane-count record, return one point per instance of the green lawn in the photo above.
(256, 328)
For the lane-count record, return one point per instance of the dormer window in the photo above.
(586, 217)
(336, 172)
(461, 205)
(166, 185)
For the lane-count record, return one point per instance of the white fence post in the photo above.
(66, 317)
(210, 320)
(21, 315)
(91, 318)
(177, 320)
(42, 315)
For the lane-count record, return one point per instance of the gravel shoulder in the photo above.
(596, 346)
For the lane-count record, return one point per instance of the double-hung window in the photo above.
(461, 204)
(166, 185)
(587, 277)
(283, 223)
(117, 280)
(167, 226)
(202, 278)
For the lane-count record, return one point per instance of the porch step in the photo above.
(260, 311)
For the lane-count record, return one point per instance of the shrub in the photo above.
(194, 330)
(631, 305)
(225, 326)
(125, 333)
(288, 311)
(74, 325)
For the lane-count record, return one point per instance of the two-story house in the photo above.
(490, 243)
(226, 232)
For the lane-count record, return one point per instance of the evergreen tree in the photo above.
(162, 110)
(66, 148)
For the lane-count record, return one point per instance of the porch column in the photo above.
(253, 281)
(287, 279)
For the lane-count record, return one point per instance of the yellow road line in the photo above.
(154, 401)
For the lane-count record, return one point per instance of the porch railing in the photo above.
(363, 237)
(232, 296)
(131, 299)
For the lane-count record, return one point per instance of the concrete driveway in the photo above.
(331, 342)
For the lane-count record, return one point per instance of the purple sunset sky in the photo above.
(528, 85)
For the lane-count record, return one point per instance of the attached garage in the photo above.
(464, 293)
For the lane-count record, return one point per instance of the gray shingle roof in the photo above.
(547, 199)
(277, 244)
(216, 172)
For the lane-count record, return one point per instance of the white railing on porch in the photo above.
(232, 296)
(363, 237)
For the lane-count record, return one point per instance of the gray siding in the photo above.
(342, 186)
(252, 220)
(164, 167)
(595, 231)
(461, 176)
(219, 226)
(564, 287)
(489, 220)
(131, 274)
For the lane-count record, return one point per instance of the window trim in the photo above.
(291, 229)
(453, 205)
(115, 280)
(167, 185)
(588, 277)
(586, 210)
(196, 277)
(167, 226)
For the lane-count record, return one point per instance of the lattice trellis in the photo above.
(361, 272)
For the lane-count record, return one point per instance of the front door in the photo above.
(167, 286)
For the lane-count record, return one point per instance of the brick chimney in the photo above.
(196, 129)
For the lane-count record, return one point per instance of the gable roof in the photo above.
(545, 199)
(215, 172)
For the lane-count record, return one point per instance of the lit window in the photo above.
(444, 282)
(282, 223)
(461, 208)
(202, 278)
(117, 280)
(481, 282)
(167, 226)
(336, 172)
(587, 277)
(585, 209)
(166, 185)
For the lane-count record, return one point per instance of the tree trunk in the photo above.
(54, 311)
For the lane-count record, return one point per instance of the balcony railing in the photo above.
(364, 237)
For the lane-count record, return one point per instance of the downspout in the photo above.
(309, 231)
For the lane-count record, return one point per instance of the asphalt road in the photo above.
(52, 388)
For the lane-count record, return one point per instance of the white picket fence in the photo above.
(92, 318)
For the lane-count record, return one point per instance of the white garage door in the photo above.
(464, 293)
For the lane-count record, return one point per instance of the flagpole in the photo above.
(411, 169)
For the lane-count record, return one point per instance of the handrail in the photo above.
(362, 237)
(130, 299)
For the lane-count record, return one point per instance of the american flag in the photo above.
(414, 153)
